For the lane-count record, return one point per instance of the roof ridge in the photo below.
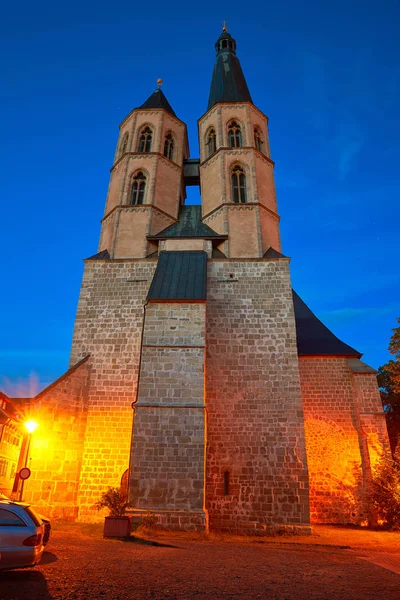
(189, 224)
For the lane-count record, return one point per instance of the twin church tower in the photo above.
(235, 172)
(199, 381)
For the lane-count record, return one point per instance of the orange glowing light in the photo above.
(30, 426)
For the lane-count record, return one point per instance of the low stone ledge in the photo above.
(263, 530)
(170, 520)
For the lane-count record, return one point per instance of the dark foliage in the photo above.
(389, 386)
(391, 405)
(114, 500)
(386, 490)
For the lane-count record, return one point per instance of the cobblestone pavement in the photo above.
(387, 560)
(79, 564)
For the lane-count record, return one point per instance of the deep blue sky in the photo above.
(327, 75)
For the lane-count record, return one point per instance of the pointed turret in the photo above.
(158, 100)
(147, 185)
(228, 83)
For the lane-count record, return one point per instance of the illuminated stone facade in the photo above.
(214, 393)
(345, 433)
(11, 444)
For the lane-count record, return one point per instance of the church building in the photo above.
(199, 380)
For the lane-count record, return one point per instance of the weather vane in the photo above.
(159, 83)
(224, 24)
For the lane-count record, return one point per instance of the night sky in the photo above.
(326, 74)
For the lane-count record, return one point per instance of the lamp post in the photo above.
(30, 426)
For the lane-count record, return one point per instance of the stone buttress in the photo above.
(169, 430)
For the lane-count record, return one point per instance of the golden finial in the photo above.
(224, 25)
(159, 83)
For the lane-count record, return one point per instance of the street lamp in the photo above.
(30, 426)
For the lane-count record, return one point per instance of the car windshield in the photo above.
(33, 515)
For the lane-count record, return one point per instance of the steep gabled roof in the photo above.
(9, 410)
(158, 100)
(313, 338)
(189, 225)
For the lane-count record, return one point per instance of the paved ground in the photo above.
(335, 564)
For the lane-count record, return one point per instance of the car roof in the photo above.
(12, 503)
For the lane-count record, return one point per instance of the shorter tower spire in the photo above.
(158, 100)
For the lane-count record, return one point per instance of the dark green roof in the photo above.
(180, 276)
(189, 225)
(228, 83)
(158, 100)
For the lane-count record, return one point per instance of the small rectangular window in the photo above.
(226, 483)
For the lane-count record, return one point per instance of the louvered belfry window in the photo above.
(145, 139)
(138, 188)
(258, 142)
(211, 142)
(169, 146)
(124, 144)
(239, 185)
(234, 135)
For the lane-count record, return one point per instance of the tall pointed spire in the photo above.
(228, 83)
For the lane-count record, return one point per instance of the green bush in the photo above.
(386, 490)
(115, 500)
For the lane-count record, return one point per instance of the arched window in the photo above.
(138, 188)
(258, 141)
(145, 139)
(169, 146)
(124, 144)
(234, 135)
(211, 142)
(239, 185)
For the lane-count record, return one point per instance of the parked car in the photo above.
(46, 521)
(21, 535)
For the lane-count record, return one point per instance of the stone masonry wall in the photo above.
(11, 448)
(372, 417)
(167, 467)
(57, 445)
(109, 327)
(333, 439)
(256, 460)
